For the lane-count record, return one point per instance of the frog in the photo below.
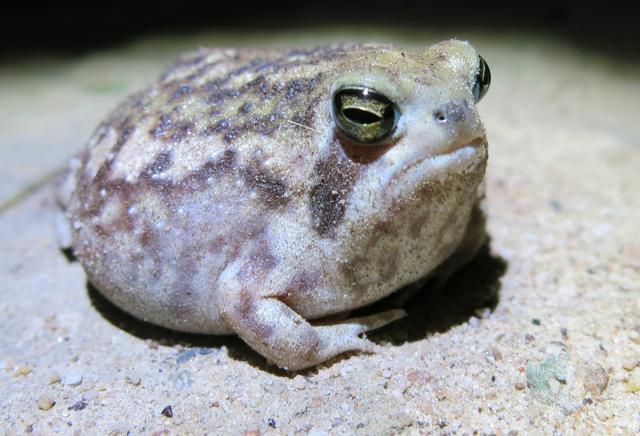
(266, 192)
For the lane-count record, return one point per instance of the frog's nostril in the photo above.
(453, 112)
(440, 116)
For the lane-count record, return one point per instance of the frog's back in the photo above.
(185, 175)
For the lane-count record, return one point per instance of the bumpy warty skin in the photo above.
(224, 200)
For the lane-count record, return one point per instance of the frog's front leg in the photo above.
(474, 238)
(276, 331)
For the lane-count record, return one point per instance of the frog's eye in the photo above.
(482, 80)
(364, 115)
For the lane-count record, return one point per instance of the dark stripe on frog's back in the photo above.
(173, 126)
(335, 176)
(267, 62)
(160, 111)
(164, 118)
(251, 98)
(263, 86)
(146, 111)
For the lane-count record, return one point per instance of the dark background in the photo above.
(29, 29)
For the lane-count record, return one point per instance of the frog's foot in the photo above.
(62, 230)
(64, 187)
(279, 333)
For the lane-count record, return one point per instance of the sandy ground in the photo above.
(540, 334)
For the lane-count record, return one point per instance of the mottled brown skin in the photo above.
(223, 199)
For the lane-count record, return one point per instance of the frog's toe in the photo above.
(370, 322)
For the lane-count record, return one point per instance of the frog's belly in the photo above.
(166, 281)
(158, 254)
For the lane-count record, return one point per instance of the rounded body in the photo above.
(227, 185)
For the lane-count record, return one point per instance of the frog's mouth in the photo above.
(455, 147)
(456, 157)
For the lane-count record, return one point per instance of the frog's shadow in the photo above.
(471, 289)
